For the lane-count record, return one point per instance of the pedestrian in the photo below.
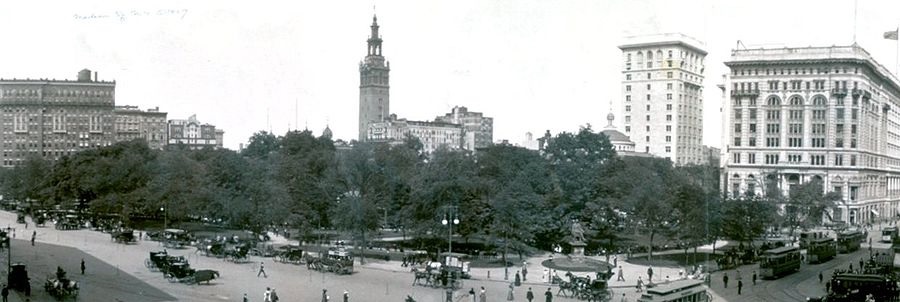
(482, 296)
(82, 266)
(530, 295)
(754, 277)
(725, 279)
(141, 236)
(640, 284)
(861, 263)
(324, 295)
(346, 296)
(4, 292)
(262, 270)
(33, 236)
(546, 275)
(245, 298)
(518, 279)
(624, 299)
(616, 260)
(740, 286)
(621, 275)
(509, 296)
(827, 287)
(472, 294)
(274, 295)
(548, 295)
(820, 277)
(524, 271)
(267, 296)
(650, 274)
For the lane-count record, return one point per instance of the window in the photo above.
(648, 87)
(628, 98)
(752, 128)
(773, 128)
(627, 108)
(817, 160)
(737, 141)
(818, 128)
(669, 96)
(773, 114)
(795, 114)
(737, 114)
(648, 75)
(853, 143)
(853, 160)
(839, 142)
(773, 142)
(669, 74)
(668, 149)
(668, 117)
(627, 87)
(771, 159)
(648, 138)
(627, 128)
(647, 128)
(752, 113)
(628, 119)
(648, 107)
(669, 86)
(737, 158)
(838, 160)
(628, 77)
(648, 97)
(839, 129)
(751, 159)
(668, 128)
(795, 142)
(737, 128)
(795, 128)
(648, 117)
(839, 113)
(669, 107)
(752, 141)
(794, 158)
(853, 129)
(668, 138)
(854, 114)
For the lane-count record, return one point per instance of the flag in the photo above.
(891, 35)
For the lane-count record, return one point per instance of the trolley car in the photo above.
(677, 291)
(889, 234)
(779, 262)
(821, 250)
(848, 241)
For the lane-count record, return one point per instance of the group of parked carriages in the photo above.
(177, 268)
(337, 261)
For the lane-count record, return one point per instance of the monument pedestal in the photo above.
(578, 249)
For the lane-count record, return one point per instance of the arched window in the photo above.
(820, 101)
(773, 101)
(670, 54)
(628, 59)
(659, 55)
(796, 100)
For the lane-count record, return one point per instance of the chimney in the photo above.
(95, 77)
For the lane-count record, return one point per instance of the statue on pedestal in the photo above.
(577, 232)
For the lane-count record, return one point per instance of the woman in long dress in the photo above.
(509, 297)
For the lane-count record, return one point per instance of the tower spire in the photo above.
(374, 38)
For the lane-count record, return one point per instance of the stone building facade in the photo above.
(662, 91)
(192, 134)
(793, 115)
(54, 118)
(133, 123)
(433, 135)
(478, 130)
(374, 84)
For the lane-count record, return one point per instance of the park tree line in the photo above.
(507, 196)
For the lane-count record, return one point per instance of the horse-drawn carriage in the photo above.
(177, 268)
(61, 287)
(583, 288)
(176, 238)
(18, 279)
(335, 260)
(161, 261)
(20, 218)
(290, 254)
(124, 236)
(68, 223)
(436, 275)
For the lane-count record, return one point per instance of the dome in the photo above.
(615, 136)
(610, 117)
(327, 132)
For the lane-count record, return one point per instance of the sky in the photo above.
(531, 65)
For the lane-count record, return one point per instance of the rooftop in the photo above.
(663, 39)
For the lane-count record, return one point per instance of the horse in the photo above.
(205, 275)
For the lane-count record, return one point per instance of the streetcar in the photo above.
(779, 262)
(809, 236)
(677, 291)
(848, 241)
(856, 287)
(821, 250)
(889, 234)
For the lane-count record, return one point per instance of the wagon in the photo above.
(61, 288)
(289, 254)
(18, 279)
(335, 260)
(125, 236)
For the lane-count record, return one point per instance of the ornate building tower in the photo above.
(374, 97)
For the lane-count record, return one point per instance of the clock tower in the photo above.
(374, 96)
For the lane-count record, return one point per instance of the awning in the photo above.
(875, 212)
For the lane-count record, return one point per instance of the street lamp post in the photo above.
(165, 218)
(450, 218)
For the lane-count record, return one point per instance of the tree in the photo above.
(747, 217)
(807, 204)
(261, 144)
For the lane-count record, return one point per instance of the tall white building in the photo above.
(793, 115)
(662, 89)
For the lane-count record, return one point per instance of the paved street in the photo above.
(375, 281)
